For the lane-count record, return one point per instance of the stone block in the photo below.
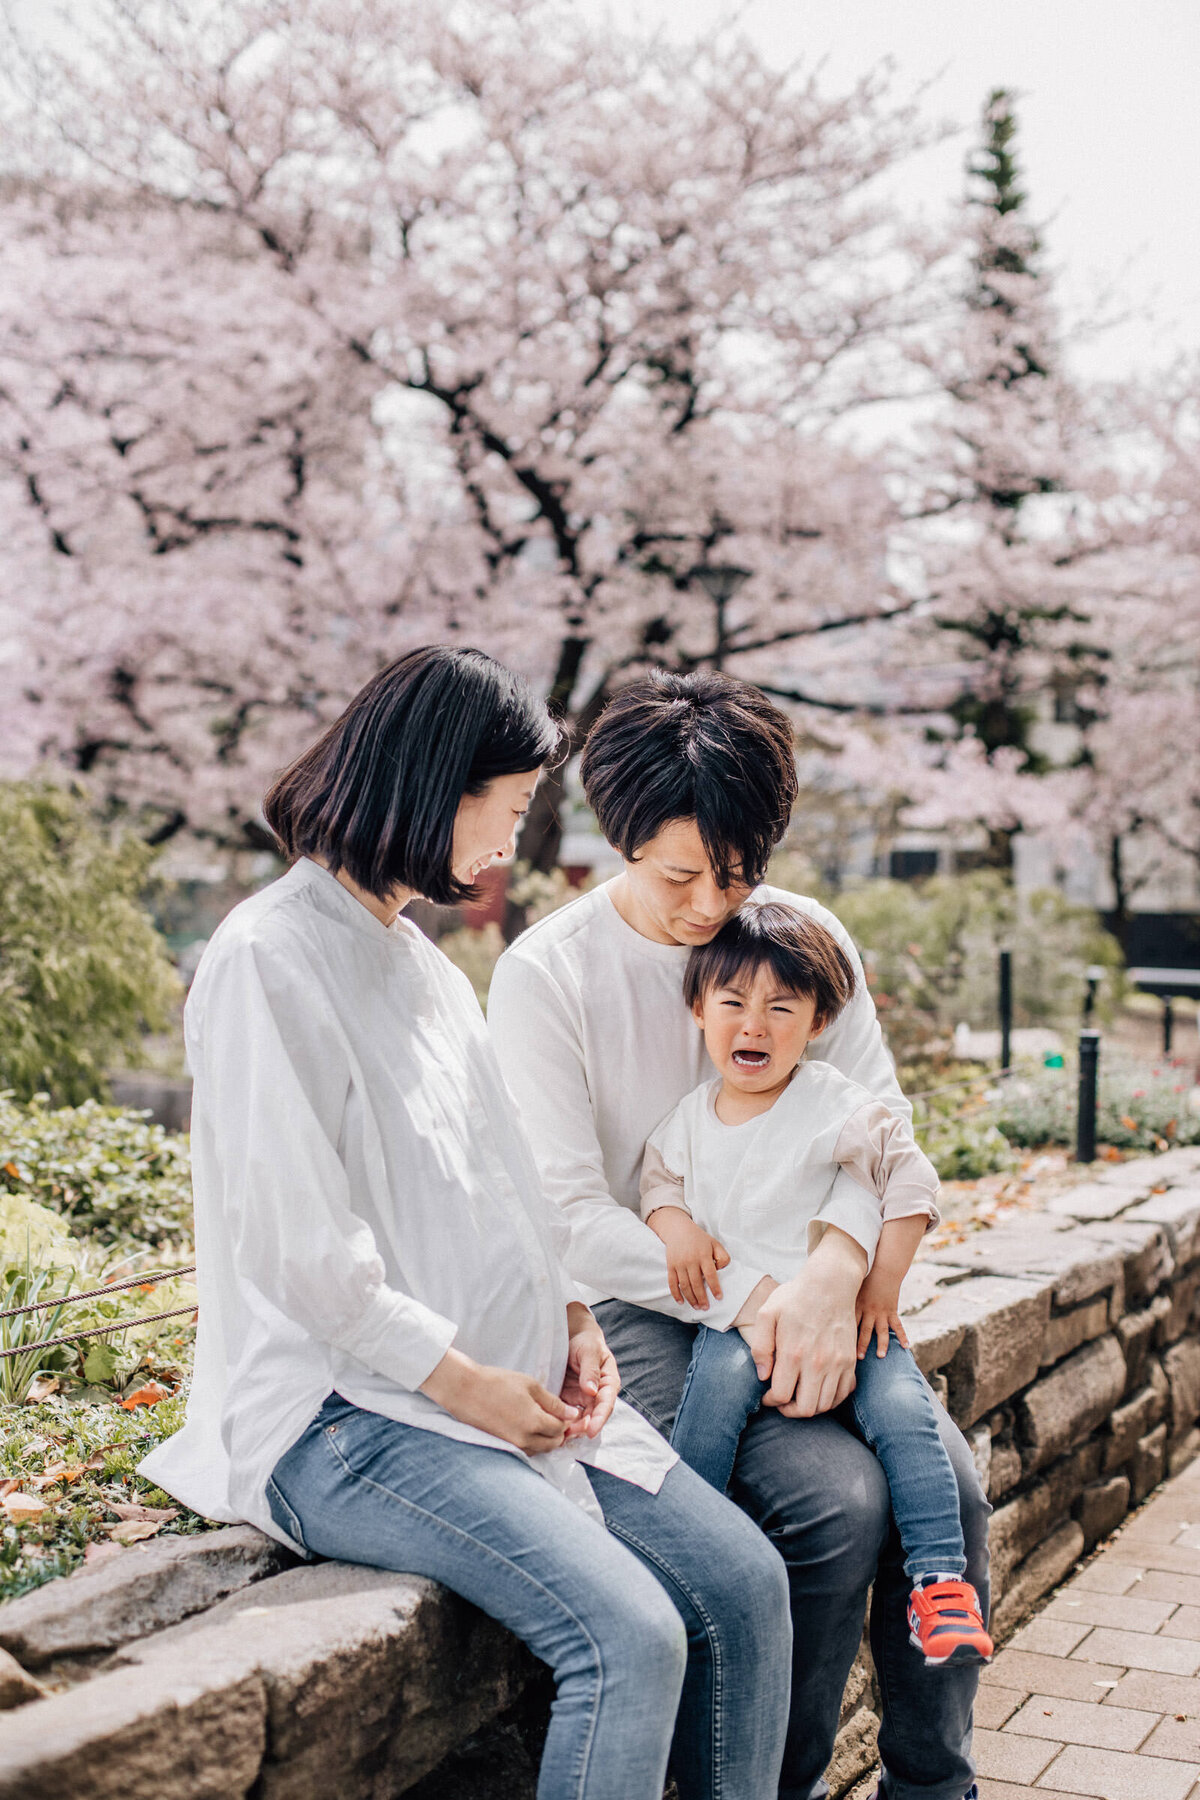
(339, 1670)
(1089, 1202)
(1043, 1569)
(1101, 1507)
(197, 1732)
(854, 1751)
(1070, 1402)
(145, 1589)
(17, 1687)
(1145, 1253)
(1018, 1527)
(1080, 1263)
(924, 1282)
(980, 1441)
(1005, 1471)
(1135, 1333)
(934, 1335)
(1066, 1331)
(1181, 1314)
(1147, 1465)
(1178, 1210)
(1181, 1365)
(1000, 1323)
(1139, 1175)
(1134, 1419)
(1182, 1454)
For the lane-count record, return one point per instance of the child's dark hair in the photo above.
(804, 957)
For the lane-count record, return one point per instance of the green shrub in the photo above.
(932, 949)
(964, 1146)
(108, 1173)
(83, 972)
(1139, 1108)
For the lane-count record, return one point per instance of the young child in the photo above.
(758, 1163)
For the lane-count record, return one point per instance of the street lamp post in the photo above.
(720, 582)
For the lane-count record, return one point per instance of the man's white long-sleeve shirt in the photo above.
(597, 1046)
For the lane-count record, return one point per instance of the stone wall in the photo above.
(1065, 1344)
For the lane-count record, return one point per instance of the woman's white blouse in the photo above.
(364, 1198)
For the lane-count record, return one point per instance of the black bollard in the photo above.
(1168, 1024)
(1005, 1010)
(1085, 1125)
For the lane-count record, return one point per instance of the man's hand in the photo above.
(805, 1336)
(591, 1383)
(510, 1405)
(693, 1256)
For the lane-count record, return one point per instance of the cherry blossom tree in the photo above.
(1010, 525)
(336, 329)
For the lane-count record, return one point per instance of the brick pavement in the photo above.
(1100, 1693)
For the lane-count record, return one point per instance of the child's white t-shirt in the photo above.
(826, 1153)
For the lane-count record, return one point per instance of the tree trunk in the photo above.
(541, 839)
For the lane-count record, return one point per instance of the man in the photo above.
(692, 779)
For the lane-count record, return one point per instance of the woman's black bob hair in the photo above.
(377, 794)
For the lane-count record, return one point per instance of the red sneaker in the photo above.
(944, 1623)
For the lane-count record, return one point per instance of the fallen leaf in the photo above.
(23, 1507)
(99, 1457)
(150, 1395)
(98, 1553)
(125, 1509)
(41, 1389)
(57, 1472)
(9, 1485)
(1128, 1123)
(132, 1531)
(10, 1168)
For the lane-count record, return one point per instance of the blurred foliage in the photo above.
(1141, 1106)
(83, 972)
(931, 952)
(476, 952)
(109, 1173)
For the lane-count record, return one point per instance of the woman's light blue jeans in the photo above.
(680, 1605)
(893, 1409)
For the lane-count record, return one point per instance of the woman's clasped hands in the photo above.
(517, 1408)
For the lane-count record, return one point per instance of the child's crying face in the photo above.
(756, 1031)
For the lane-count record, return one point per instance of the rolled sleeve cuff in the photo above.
(401, 1339)
(855, 1210)
(906, 1202)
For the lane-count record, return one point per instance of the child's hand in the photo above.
(876, 1310)
(693, 1256)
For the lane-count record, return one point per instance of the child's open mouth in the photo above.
(751, 1059)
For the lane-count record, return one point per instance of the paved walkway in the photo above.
(1100, 1693)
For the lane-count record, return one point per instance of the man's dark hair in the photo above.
(804, 957)
(703, 747)
(377, 794)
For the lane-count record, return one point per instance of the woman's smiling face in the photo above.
(485, 825)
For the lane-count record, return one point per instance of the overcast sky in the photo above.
(1110, 127)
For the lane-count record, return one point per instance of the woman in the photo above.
(393, 1367)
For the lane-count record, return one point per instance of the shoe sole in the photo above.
(962, 1654)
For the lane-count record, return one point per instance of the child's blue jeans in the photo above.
(893, 1409)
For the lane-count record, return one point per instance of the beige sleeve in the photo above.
(878, 1149)
(659, 1186)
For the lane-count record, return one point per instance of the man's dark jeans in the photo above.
(821, 1497)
